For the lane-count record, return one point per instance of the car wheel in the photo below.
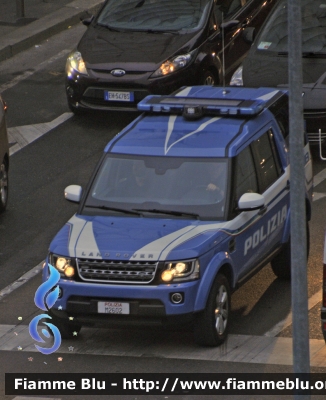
(281, 264)
(68, 329)
(211, 326)
(4, 187)
(208, 79)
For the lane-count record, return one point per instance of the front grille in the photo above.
(108, 271)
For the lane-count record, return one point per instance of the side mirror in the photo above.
(251, 201)
(87, 21)
(73, 193)
(249, 34)
(229, 25)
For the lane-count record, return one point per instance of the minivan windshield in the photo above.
(154, 15)
(274, 36)
(158, 187)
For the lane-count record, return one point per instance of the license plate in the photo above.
(118, 96)
(112, 307)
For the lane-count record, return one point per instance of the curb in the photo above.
(27, 36)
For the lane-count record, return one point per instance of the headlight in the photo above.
(173, 65)
(180, 271)
(236, 79)
(75, 62)
(64, 265)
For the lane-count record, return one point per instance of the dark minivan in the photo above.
(267, 61)
(133, 48)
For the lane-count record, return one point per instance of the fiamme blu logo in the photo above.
(45, 297)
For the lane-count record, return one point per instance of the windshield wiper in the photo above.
(109, 27)
(305, 54)
(173, 32)
(122, 210)
(312, 54)
(177, 213)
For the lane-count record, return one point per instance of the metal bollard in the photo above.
(20, 8)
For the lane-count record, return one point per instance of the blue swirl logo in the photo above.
(45, 297)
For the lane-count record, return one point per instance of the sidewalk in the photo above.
(42, 19)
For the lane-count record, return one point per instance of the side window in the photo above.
(245, 174)
(224, 8)
(266, 160)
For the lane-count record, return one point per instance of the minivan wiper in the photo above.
(312, 54)
(122, 210)
(173, 32)
(305, 54)
(170, 212)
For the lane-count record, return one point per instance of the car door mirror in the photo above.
(87, 21)
(251, 201)
(73, 193)
(249, 34)
(229, 25)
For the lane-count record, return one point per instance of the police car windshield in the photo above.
(187, 187)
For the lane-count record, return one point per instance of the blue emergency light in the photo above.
(193, 107)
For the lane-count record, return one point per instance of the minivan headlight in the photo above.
(180, 271)
(65, 265)
(75, 62)
(172, 65)
(237, 79)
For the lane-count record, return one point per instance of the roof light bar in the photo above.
(192, 108)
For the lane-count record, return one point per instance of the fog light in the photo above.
(177, 298)
(70, 91)
(167, 275)
(60, 293)
(69, 271)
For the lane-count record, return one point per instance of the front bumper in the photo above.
(87, 92)
(148, 304)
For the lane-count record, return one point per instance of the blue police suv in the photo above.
(186, 203)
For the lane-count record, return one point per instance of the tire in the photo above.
(68, 329)
(281, 264)
(208, 78)
(4, 186)
(211, 325)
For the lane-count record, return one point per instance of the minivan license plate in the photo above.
(112, 307)
(118, 96)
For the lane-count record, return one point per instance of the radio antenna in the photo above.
(223, 58)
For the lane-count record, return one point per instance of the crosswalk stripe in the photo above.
(21, 136)
(180, 345)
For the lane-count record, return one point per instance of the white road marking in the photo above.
(145, 343)
(39, 67)
(35, 398)
(318, 178)
(318, 196)
(280, 326)
(19, 282)
(21, 136)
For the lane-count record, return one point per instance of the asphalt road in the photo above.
(32, 83)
